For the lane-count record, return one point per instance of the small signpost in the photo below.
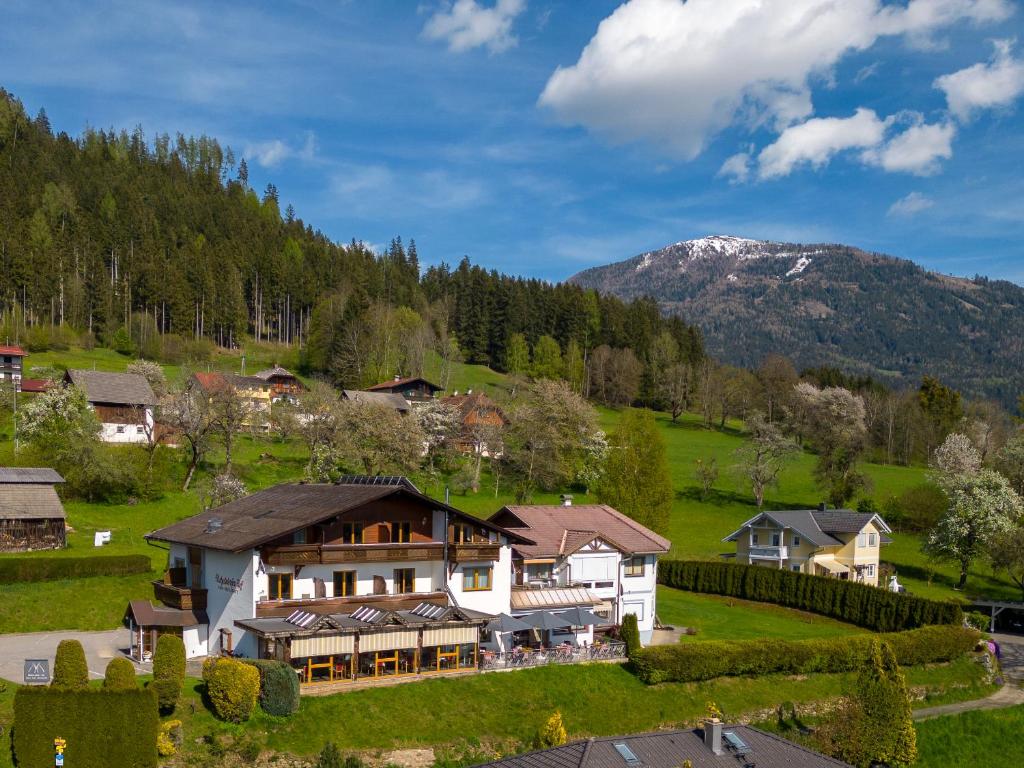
(58, 747)
(37, 670)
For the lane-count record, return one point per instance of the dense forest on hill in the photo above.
(123, 239)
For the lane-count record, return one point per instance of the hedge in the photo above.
(168, 671)
(232, 687)
(101, 728)
(849, 601)
(120, 675)
(70, 669)
(694, 661)
(14, 569)
(279, 686)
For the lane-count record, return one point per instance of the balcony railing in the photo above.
(316, 554)
(473, 552)
(530, 658)
(770, 553)
(180, 597)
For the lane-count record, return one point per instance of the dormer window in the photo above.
(299, 537)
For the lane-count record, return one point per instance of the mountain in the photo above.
(830, 304)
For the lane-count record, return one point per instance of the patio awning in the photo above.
(580, 617)
(832, 566)
(505, 623)
(528, 598)
(546, 621)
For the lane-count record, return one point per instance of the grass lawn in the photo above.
(989, 738)
(723, 618)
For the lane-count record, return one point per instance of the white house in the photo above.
(123, 402)
(589, 555)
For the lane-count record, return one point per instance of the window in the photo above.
(140, 429)
(401, 532)
(796, 541)
(280, 586)
(351, 533)
(120, 429)
(405, 580)
(754, 539)
(775, 539)
(462, 534)
(476, 579)
(871, 570)
(299, 537)
(344, 583)
(862, 540)
(872, 540)
(635, 566)
(795, 568)
(538, 571)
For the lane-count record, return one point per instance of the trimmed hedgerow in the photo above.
(168, 671)
(689, 662)
(120, 675)
(233, 688)
(630, 632)
(279, 687)
(102, 728)
(13, 569)
(860, 604)
(70, 670)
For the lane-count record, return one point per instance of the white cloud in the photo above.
(736, 168)
(916, 150)
(816, 141)
(465, 25)
(270, 154)
(910, 205)
(984, 86)
(675, 74)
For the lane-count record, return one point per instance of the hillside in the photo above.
(829, 304)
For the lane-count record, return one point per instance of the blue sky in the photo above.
(542, 137)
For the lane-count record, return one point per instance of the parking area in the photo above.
(100, 648)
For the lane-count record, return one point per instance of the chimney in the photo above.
(823, 507)
(713, 735)
(566, 500)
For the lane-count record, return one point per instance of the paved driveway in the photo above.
(1011, 652)
(100, 648)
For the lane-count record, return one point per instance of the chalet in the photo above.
(31, 515)
(385, 399)
(481, 419)
(414, 389)
(714, 745)
(824, 542)
(255, 393)
(123, 402)
(589, 555)
(12, 363)
(366, 577)
(284, 385)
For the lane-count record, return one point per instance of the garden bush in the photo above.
(630, 633)
(688, 662)
(860, 604)
(233, 688)
(70, 670)
(168, 671)
(102, 728)
(279, 687)
(14, 569)
(120, 675)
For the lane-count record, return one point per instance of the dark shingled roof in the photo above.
(146, 614)
(30, 501)
(277, 370)
(817, 526)
(386, 399)
(29, 475)
(668, 749)
(282, 509)
(559, 530)
(113, 388)
(394, 383)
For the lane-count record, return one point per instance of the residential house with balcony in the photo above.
(12, 363)
(123, 402)
(480, 423)
(823, 542)
(588, 555)
(284, 385)
(414, 389)
(366, 577)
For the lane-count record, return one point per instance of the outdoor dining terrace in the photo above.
(525, 657)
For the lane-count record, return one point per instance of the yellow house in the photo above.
(822, 542)
(256, 393)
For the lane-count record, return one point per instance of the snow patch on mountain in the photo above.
(645, 261)
(731, 277)
(801, 264)
(721, 245)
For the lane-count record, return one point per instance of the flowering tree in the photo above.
(956, 456)
(834, 419)
(761, 458)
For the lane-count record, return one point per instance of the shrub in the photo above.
(552, 733)
(232, 687)
(168, 671)
(120, 675)
(688, 662)
(70, 671)
(14, 569)
(630, 633)
(978, 620)
(849, 601)
(279, 687)
(330, 756)
(169, 738)
(103, 728)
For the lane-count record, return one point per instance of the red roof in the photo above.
(210, 380)
(35, 385)
(6, 349)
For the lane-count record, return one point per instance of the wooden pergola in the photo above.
(996, 607)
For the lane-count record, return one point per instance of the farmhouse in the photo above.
(479, 420)
(414, 389)
(365, 578)
(715, 745)
(31, 515)
(581, 554)
(122, 401)
(254, 393)
(385, 399)
(12, 360)
(284, 385)
(823, 542)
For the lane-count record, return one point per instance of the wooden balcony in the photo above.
(180, 597)
(325, 605)
(474, 552)
(314, 554)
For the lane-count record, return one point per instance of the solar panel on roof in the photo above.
(428, 610)
(735, 743)
(627, 754)
(301, 618)
(367, 614)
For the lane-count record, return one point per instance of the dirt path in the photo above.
(1007, 696)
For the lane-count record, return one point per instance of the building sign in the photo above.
(59, 745)
(229, 584)
(37, 670)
